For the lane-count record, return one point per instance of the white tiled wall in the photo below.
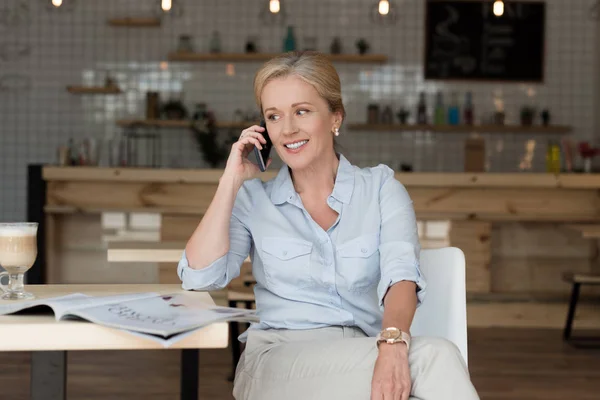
(43, 50)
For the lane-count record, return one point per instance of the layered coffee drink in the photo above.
(18, 247)
(18, 251)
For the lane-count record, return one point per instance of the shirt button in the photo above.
(363, 250)
(285, 253)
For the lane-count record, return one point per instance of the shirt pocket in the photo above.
(358, 261)
(286, 263)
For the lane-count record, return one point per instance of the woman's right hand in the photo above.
(238, 166)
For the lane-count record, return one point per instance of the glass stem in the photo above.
(16, 283)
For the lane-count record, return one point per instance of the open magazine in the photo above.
(162, 318)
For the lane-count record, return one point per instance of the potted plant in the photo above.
(174, 109)
(204, 129)
(545, 115)
(527, 114)
(362, 45)
(403, 115)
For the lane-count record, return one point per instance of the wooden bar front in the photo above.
(512, 227)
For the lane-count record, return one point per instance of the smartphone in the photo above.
(262, 156)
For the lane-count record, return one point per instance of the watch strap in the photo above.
(403, 338)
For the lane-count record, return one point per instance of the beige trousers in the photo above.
(337, 363)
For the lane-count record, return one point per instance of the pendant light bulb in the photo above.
(274, 6)
(498, 8)
(57, 3)
(384, 7)
(166, 5)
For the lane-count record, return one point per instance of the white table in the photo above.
(49, 340)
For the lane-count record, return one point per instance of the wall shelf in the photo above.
(134, 22)
(553, 129)
(231, 57)
(94, 89)
(176, 124)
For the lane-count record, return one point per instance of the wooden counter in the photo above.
(574, 181)
(510, 226)
(457, 196)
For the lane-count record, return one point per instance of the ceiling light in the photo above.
(166, 5)
(384, 7)
(274, 6)
(498, 8)
(272, 12)
(57, 5)
(383, 12)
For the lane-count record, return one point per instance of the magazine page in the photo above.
(13, 307)
(164, 315)
(63, 307)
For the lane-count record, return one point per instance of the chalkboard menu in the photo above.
(465, 40)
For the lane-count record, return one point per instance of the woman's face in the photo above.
(299, 121)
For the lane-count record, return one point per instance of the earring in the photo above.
(336, 131)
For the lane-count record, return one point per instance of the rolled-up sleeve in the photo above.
(220, 272)
(399, 246)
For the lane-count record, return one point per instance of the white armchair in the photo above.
(443, 312)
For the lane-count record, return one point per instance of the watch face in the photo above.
(390, 334)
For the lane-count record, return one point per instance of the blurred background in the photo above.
(45, 50)
(116, 118)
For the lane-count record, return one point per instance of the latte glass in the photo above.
(18, 251)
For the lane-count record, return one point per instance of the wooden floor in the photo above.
(505, 364)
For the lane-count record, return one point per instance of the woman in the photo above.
(334, 250)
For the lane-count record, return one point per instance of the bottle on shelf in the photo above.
(215, 42)
(440, 111)
(553, 161)
(72, 152)
(454, 110)
(289, 44)
(422, 110)
(387, 116)
(468, 109)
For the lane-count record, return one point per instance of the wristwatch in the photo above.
(393, 335)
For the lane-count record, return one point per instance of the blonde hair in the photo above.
(312, 67)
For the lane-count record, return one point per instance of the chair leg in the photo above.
(571, 313)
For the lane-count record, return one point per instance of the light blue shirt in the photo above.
(307, 277)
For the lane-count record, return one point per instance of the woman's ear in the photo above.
(338, 119)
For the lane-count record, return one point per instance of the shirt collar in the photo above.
(283, 187)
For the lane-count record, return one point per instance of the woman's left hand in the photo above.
(391, 376)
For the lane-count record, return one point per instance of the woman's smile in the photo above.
(296, 147)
